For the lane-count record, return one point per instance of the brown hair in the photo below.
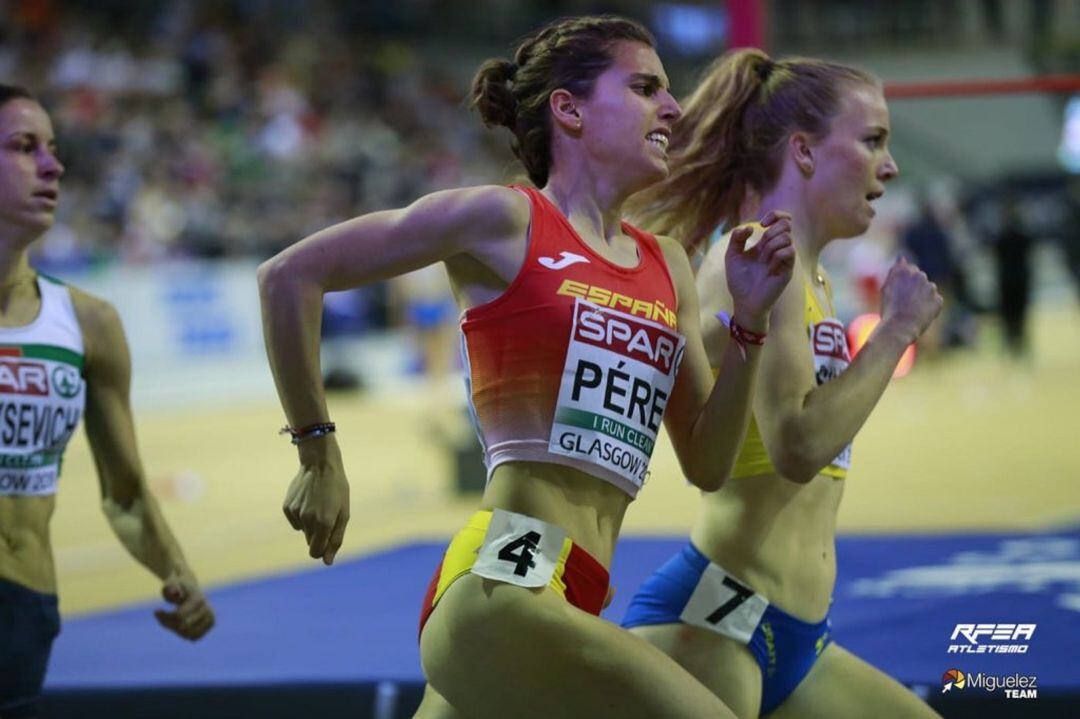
(568, 54)
(14, 92)
(730, 138)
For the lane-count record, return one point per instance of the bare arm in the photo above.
(804, 426)
(366, 249)
(707, 419)
(360, 251)
(129, 506)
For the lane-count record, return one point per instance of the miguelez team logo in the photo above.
(952, 678)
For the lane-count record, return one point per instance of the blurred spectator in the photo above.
(868, 262)
(345, 314)
(1012, 248)
(929, 242)
(1070, 235)
(425, 300)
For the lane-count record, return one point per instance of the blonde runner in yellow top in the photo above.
(827, 338)
(745, 605)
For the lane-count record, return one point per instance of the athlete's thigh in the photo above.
(496, 650)
(842, 686)
(723, 665)
(435, 706)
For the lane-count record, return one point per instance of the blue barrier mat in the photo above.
(897, 603)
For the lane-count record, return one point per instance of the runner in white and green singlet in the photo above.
(63, 356)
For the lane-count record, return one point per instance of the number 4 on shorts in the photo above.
(520, 550)
(526, 546)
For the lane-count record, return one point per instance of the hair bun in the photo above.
(504, 71)
(492, 95)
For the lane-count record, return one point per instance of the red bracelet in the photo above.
(312, 431)
(740, 334)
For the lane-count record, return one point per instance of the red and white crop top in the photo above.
(574, 363)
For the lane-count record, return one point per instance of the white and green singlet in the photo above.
(42, 393)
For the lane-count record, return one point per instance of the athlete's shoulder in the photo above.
(98, 319)
(106, 348)
(491, 208)
(678, 262)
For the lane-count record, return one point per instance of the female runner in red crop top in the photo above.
(575, 324)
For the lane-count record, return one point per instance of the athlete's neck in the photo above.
(805, 234)
(592, 205)
(16, 275)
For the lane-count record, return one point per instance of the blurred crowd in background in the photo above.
(233, 128)
(209, 130)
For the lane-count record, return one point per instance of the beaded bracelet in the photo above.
(740, 334)
(312, 431)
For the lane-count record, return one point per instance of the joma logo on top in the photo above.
(23, 378)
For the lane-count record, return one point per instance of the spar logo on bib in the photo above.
(617, 379)
(27, 378)
(828, 342)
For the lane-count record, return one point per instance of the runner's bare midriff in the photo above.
(778, 536)
(589, 509)
(25, 551)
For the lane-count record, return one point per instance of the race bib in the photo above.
(843, 460)
(24, 481)
(723, 604)
(828, 342)
(619, 374)
(519, 550)
(41, 400)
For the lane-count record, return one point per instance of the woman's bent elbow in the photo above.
(709, 480)
(278, 278)
(267, 273)
(795, 468)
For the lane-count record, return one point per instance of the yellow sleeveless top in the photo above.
(828, 343)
